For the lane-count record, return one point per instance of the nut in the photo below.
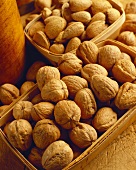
(72, 44)
(42, 110)
(130, 8)
(37, 99)
(81, 16)
(19, 134)
(83, 135)
(112, 15)
(45, 74)
(22, 110)
(57, 156)
(125, 56)
(124, 71)
(100, 16)
(43, 130)
(126, 96)
(69, 64)
(8, 93)
(67, 113)
(74, 84)
(85, 100)
(54, 91)
(104, 87)
(104, 118)
(26, 86)
(87, 52)
(2, 108)
(57, 48)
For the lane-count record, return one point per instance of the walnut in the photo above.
(57, 156)
(74, 84)
(26, 86)
(32, 71)
(54, 91)
(91, 69)
(67, 113)
(22, 110)
(42, 110)
(126, 96)
(45, 132)
(104, 87)
(85, 100)
(87, 52)
(8, 93)
(125, 56)
(45, 74)
(69, 64)
(112, 15)
(108, 55)
(130, 8)
(124, 71)
(37, 99)
(104, 118)
(19, 134)
(83, 135)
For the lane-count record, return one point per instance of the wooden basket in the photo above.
(102, 142)
(110, 33)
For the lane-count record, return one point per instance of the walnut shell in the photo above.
(87, 52)
(83, 135)
(69, 64)
(126, 96)
(43, 130)
(67, 113)
(22, 110)
(54, 91)
(26, 86)
(19, 134)
(130, 8)
(45, 74)
(124, 71)
(42, 110)
(104, 87)
(85, 100)
(91, 69)
(8, 93)
(104, 118)
(74, 84)
(57, 156)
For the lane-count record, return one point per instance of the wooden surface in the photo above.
(119, 155)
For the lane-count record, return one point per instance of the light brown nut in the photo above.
(83, 135)
(69, 64)
(74, 84)
(37, 99)
(37, 26)
(54, 91)
(129, 25)
(95, 28)
(26, 86)
(42, 110)
(100, 16)
(125, 56)
(41, 4)
(41, 39)
(57, 156)
(81, 16)
(72, 44)
(66, 12)
(43, 130)
(112, 15)
(32, 71)
(22, 110)
(60, 39)
(45, 74)
(54, 27)
(57, 48)
(82, 5)
(73, 30)
(131, 17)
(87, 52)
(108, 55)
(84, 98)
(19, 134)
(91, 69)
(104, 87)
(2, 108)
(100, 6)
(126, 96)
(35, 157)
(46, 12)
(130, 8)
(127, 37)
(124, 71)
(8, 93)
(31, 17)
(104, 118)
(83, 36)
(67, 114)
(56, 12)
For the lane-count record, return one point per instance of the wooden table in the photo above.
(119, 155)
